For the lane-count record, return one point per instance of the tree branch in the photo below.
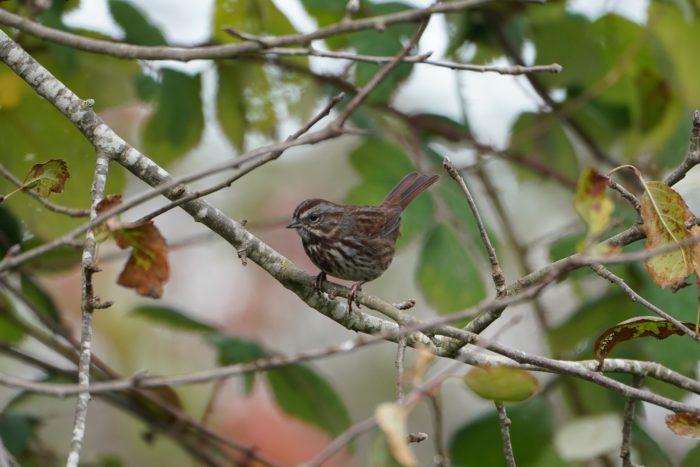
(87, 305)
(121, 50)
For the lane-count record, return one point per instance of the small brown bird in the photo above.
(355, 243)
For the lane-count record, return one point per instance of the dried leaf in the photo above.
(665, 216)
(684, 424)
(108, 202)
(501, 384)
(391, 418)
(46, 178)
(593, 203)
(147, 268)
(631, 329)
(102, 232)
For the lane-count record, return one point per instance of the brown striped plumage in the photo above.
(355, 242)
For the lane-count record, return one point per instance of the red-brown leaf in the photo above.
(684, 424)
(632, 329)
(147, 268)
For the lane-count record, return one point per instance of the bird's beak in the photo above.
(294, 224)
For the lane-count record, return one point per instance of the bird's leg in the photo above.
(356, 287)
(319, 282)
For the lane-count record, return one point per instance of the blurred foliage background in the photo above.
(625, 96)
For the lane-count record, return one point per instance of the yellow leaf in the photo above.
(664, 216)
(10, 90)
(592, 202)
(501, 384)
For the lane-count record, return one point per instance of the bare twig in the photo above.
(504, 423)
(422, 59)
(46, 203)
(625, 193)
(628, 422)
(88, 267)
(605, 273)
(692, 157)
(442, 458)
(325, 111)
(380, 76)
(496, 271)
(400, 375)
(121, 50)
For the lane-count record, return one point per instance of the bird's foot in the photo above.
(352, 297)
(319, 282)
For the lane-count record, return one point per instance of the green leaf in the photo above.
(40, 298)
(326, 12)
(10, 231)
(542, 138)
(380, 454)
(33, 131)
(478, 443)
(59, 259)
(692, 459)
(231, 106)
(381, 165)
(386, 42)
(258, 17)
(447, 276)
(10, 331)
(457, 204)
(669, 29)
(137, 28)
(235, 350)
(501, 384)
(178, 122)
(304, 394)
(16, 431)
(574, 336)
(171, 317)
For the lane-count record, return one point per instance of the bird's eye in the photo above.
(313, 218)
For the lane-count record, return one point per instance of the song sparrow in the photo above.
(355, 242)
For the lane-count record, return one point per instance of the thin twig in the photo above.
(88, 300)
(605, 273)
(400, 374)
(325, 111)
(692, 157)
(422, 59)
(496, 271)
(46, 203)
(428, 387)
(628, 422)
(380, 76)
(504, 423)
(442, 458)
(121, 50)
(625, 193)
